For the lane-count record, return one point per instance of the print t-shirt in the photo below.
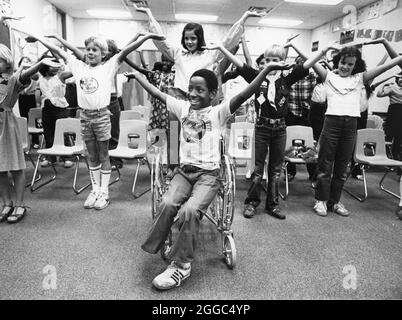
(53, 89)
(94, 84)
(200, 132)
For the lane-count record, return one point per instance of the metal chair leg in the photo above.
(385, 189)
(354, 195)
(33, 188)
(118, 175)
(137, 195)
(33, 165)
(76, 189)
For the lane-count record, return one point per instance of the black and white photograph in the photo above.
(200, 158)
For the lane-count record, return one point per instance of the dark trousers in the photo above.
(270, 138)
(316, 118)
(50, 114)
(292, 120)
(336, 147)
(26, 102)
(114, 108)
(361, 124)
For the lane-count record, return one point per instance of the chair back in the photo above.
(144, 111)
(35, 118)
(372, 137)
(241, 140)
(133, 134)
(23, 129)
(374, 121)
(303, 133)
(71, 127)
(131, 115)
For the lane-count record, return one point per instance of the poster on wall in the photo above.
(374, 10)
(364, 33)
(389, 5)
(347, 36)
(398, 35)
(389, 35)
(377, 34)
(315, 46)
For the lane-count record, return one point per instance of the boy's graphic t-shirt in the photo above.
(94, 84)
(200, 132)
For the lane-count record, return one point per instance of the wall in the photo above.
(372, 53)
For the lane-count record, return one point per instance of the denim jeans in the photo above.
(189, 195)
(337, 142)
(270, 138)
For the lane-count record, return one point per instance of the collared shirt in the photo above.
(300, 95)
(282, 88)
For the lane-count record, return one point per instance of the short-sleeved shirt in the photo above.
(200, 132)
(282, 88)
(94, 84)
(343, 94)
(53, 89)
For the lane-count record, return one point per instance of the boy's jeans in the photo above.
(272, 138)
(337, 142)
(191, 190)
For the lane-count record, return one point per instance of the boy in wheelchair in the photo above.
(195, 182)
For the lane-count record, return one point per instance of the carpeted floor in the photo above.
(96, 254)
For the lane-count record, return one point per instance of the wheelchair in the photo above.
(220, 211)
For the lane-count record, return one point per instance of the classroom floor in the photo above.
(89, 254)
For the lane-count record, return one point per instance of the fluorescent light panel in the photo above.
(319, 2)
(109, 13)
(195, 17)
(276, 22)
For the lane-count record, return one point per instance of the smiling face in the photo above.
(94, 55)
(190, 40)
(199, 95)
(346, 66)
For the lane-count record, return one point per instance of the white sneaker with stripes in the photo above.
(172, 276)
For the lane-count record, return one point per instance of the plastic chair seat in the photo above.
(378, 161)
(62, 151)
(127, 153)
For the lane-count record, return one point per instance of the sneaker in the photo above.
(102, 201)
(45, 163)
(340, 209)
(68, 164)
(172, 276)
(90, 202)
(320, 208)
(248, 175)
(249, 211)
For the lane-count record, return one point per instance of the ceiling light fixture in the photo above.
(109, 13)
(275, 22)
(319, 2)
(195, 17)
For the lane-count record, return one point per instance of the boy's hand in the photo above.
(254, 14)
(130, 75)
(288, 45)
(281, 65)
(376, 41)
(51, 63)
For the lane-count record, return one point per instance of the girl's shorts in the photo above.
(95, 124)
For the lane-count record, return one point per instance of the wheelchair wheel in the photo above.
(229, 251)
(227, 193)
(166, 246)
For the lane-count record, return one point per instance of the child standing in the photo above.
(195, 182)
(94, 81)
(343, 91)
(11, 153)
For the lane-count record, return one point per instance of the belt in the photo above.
(263, 120)
(187, 168)
(93, 110)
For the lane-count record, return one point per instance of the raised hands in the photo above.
(281, 65)
(213, 46)
(131, 75)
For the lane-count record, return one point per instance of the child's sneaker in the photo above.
(320, 208)
(90, 202)
(172, 276)
(102, 201)
(340, 209)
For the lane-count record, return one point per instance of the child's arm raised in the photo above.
(136, 67)
(77, 52)
(152, 90)
(391, 51)
(237, 62)
(51, 47)
(134, 45)
(246, 93)
(246, 51)
(312, 61)
(375, 72)
(29, 72)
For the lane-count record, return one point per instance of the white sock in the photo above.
(95, 174)
(105, 178)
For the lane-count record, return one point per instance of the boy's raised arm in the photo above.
(246, 93)
(152, 90)
(391, 51)
(77, 52)
(51, 46)
(371, 74)
(227, 53)
(134, 45)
